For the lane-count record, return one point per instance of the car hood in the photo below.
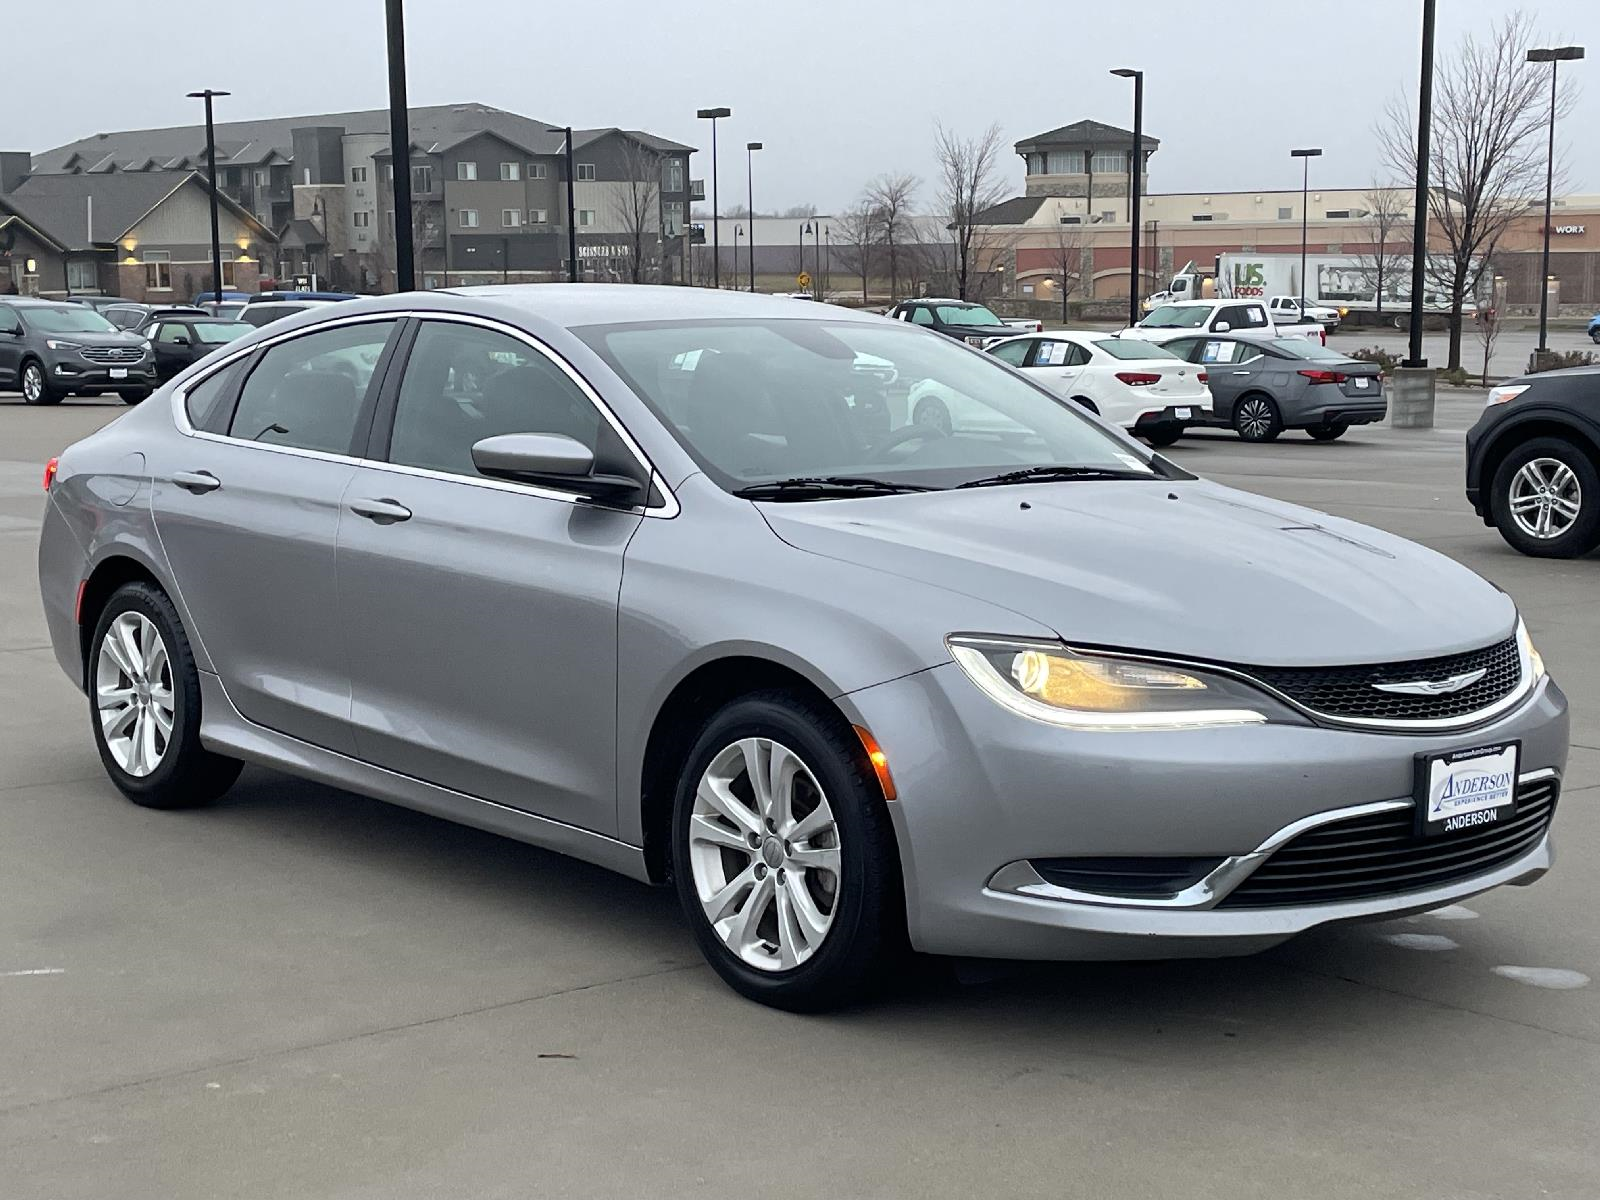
(97, 339)
(1185, 568)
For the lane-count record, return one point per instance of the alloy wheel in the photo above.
(1255, 418)
(764, 853)
(1545, 498)
(32, 383)
(134, 694)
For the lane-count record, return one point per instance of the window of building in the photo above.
(468, 218)
(390, 216)
(510, 218)
(586, 216)
(1072, 220)
(1109, 162)
(1035, 164)
(82, 276)
(421, 180)
(228, 274)
(261, 178)
(536, 170)
(358, 174)
(585, 171)
(1108, 215)
(538, 216)
(1200, 217)
(388, 172)
(672, 175)
(1338, 214)
(306, 392)
(672, 218)
(361, 219)
(510, 386)
(158, 270)
(1064, 162)
(1286, 214)
(466, 170)
(510, 171)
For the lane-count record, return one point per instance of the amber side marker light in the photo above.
(879, 761)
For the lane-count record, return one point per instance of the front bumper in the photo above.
(72, 374)
(981, 789)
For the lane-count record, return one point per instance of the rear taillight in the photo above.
(50, 472)
(1204, 378)
(1324, 376)
(1138, 378)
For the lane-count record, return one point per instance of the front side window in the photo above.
(171, 333)
(920, 315)
(464, 383)
(307, 392)
(795, 399)
(1245, 316)
(1173, 316)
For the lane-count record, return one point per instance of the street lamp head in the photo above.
(754, 146)
(807, 228)
(1305, 154)
(711, 114)
(1127, 73)
(212, 92)
(1555, 54)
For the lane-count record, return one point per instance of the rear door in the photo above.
(10, 345)
(1058, 363)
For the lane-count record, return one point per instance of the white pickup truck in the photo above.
(1186, 317)
(1286, 310)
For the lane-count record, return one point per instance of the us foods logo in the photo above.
(1473, 788)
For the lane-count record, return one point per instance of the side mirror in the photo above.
(180, 340)
(1221, 327)
(11, 330)
(551, 460)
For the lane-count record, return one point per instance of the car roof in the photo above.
(574, 304)
(34, 302)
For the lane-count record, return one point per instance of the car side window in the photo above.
(464, 383)
(1217, 350)
(307, 392)
(1077, 356)
(1014, 352)
(201, 400)
(921, 315)
(171, 331)
(1252, 316)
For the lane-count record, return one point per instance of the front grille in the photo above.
(112, 354)
(1382, 855)
(1348, 692)
(1141, 877)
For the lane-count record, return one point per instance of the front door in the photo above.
(10, 346)
(480, 616)
(249, 518)
(174, 347)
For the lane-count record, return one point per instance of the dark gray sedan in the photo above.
(1262, 386)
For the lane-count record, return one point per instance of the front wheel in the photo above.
(934, 414)
(144, 694)
(783, 855)
(134, 396)
(1329, 431)
(1545, 499)
(1256, 418)
(1594, 335)
(36, 387)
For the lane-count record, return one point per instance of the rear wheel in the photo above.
(1594, 335)
(1546, 499)
(1161, 435)
(933, 413)
(1329, 431)
(783, 855)
(144, 696)
(1256, 418)
(36, 387)
(1085, 402)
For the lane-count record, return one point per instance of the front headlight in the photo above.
(1532, 660)
(59, 345)
(1050, 682)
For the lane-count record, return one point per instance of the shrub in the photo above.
(1556, 360)
(1376, 354)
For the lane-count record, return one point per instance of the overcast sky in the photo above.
(838, 91)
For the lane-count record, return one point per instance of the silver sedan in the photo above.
(664, 579)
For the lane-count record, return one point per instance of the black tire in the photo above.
(1256, 417)
(1594, 336)
(34, 382)
(1330, 431)
(1161, 435)
(188, 775)
(934, 413)
(1583, 534)
(135, 397)
(1085, 402)
(867, 931)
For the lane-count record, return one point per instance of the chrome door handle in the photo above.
(384, 512)
(1241, 372)
(198, 482)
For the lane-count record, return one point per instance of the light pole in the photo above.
(210, 172)
(816, 280)
(713, 115)
(572, 207)
(1136, 187)
(405, 263)
(750, 149)
(738, 232)
(805, 228)
(1305, 157)
(1555, 57)
(1419, 219)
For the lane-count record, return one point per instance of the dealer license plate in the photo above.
(119, 372)
(1362, 383)
(1460, 791)
(1183, 414)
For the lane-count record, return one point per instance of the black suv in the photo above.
(966, 322)
(49, 350)
(1533, 462)
(181, 336)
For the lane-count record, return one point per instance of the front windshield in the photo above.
(1132, 348)
(214, 333)
(964, 314)
(1170, 316)
(758, 401)
(76, 319)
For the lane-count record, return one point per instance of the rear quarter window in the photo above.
(203, 402)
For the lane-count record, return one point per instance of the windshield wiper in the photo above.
(816, 487)
(1054, 474)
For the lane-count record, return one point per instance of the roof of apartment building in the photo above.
(1083, 133)
(253, 143)
(57, 206)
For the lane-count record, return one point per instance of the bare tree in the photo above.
(855, 243)
(636, 201)
(1487, 159)
(799, 212)
(1488, 336)
(890, 198)
(968, 187)
(425, 236)
(1388, 232)
(1066, 262)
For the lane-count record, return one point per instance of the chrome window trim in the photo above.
(1021, 879)
(667, 509)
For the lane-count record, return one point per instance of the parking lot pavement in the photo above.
(1509, 358)
(302, 993)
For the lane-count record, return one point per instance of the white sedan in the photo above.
(1143, 388)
